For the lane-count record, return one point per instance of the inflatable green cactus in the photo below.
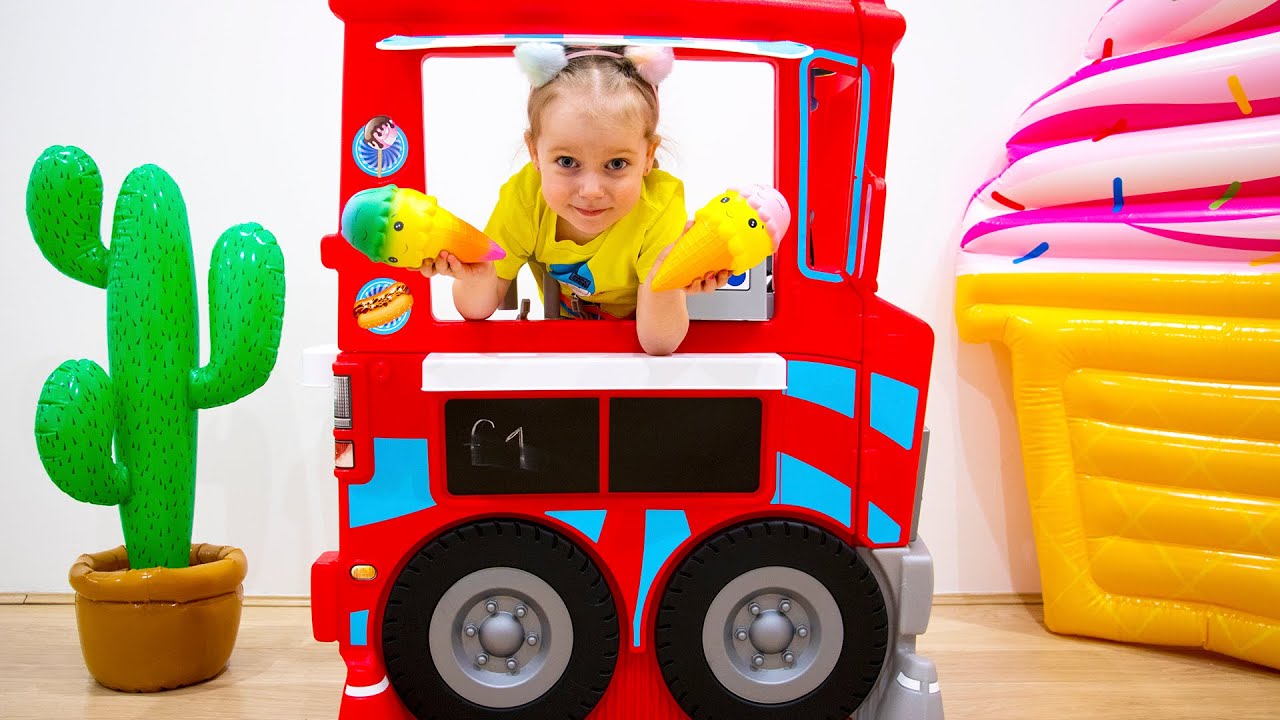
(149, 401)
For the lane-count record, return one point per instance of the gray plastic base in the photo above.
(908, 685)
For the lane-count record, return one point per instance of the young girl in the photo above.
(590, 208)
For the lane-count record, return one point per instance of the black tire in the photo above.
(499, 544)
(701, 577)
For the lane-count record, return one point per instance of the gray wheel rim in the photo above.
(501, 637)
(772, 635)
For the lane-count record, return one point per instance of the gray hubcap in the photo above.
(772, 635)
(501, 637)
(771, 632)
(501, 634)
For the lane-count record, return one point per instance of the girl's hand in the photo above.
(710, 282)
(449, 265)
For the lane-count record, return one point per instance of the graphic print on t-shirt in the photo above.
(576, 275)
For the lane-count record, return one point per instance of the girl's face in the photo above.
(592, 168)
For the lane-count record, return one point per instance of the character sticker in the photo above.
(382, 306)
(379, 147)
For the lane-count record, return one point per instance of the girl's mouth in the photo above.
(589, 213)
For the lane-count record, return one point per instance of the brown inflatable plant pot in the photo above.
(158, 628)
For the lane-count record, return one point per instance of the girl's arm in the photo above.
(478, 297)
(662, 318)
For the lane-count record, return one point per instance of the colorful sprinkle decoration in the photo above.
(1036, 252)
(1117, 193)
(1230, 193)
(1237, 91)
(1006, 201)
(1107, 48)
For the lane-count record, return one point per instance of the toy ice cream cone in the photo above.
(736, 231)
(1135, 279)
(405, 228)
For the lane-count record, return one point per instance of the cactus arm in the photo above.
(75, 421)
(64, 210)
(246, 308)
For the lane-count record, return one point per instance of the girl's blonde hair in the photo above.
(615, 85)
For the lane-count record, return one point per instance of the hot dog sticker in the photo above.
(382, 306)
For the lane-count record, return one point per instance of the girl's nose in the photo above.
(591, 187)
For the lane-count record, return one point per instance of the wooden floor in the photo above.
(995, 662)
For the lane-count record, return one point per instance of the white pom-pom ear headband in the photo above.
(654, 63)
(541, 61)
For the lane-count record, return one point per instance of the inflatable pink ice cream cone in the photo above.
(1128, 255)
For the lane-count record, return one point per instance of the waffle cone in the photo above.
(463, 239)
(1149, 412)
(728, 233)
(700, 250)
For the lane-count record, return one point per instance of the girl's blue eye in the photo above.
(566, 162)
(616, 164)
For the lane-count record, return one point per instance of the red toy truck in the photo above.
(728, 532)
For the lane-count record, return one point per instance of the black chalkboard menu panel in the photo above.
(525, 445)
(702, 444)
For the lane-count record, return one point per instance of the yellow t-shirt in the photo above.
(603, 274)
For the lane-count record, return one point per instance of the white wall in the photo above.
(239, 101)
